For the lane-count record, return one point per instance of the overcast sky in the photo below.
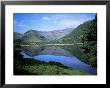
(49, 21)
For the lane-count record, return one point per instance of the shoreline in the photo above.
(53, 44)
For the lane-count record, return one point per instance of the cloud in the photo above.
(55, 21)
(67, 20)
(19, 24)
(46, 18)
(59, 16)
(70, 23)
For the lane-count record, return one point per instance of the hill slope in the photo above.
(78, 33)
(32, 36)
(56, 34)
(17, 35)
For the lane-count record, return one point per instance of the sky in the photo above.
(49, 21)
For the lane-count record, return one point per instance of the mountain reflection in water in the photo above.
(57, 54)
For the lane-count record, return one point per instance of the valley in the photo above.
(78, 45)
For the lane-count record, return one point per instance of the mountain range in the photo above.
(70, 35)
(39, 36)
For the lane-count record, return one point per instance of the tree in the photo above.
(90, 43)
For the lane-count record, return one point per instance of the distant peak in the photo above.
(31, 31)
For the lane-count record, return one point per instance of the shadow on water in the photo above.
(57, 54)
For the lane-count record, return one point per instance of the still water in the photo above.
(57, 54)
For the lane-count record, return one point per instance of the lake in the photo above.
(66, 55)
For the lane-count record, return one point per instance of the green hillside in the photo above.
(86, 34)
(31, 36)
(77, 35)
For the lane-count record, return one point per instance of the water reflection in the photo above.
(57, 54)
(46, 50)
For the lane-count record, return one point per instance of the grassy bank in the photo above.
(29, 66)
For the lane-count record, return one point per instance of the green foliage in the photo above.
(30, 39)
(30, 66)
(48, 69)
(90, 44)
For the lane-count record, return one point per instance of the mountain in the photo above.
(69, 35)
(77, 35)
(17, 35)
(42, 36)
(32, 36)
(56, 34)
